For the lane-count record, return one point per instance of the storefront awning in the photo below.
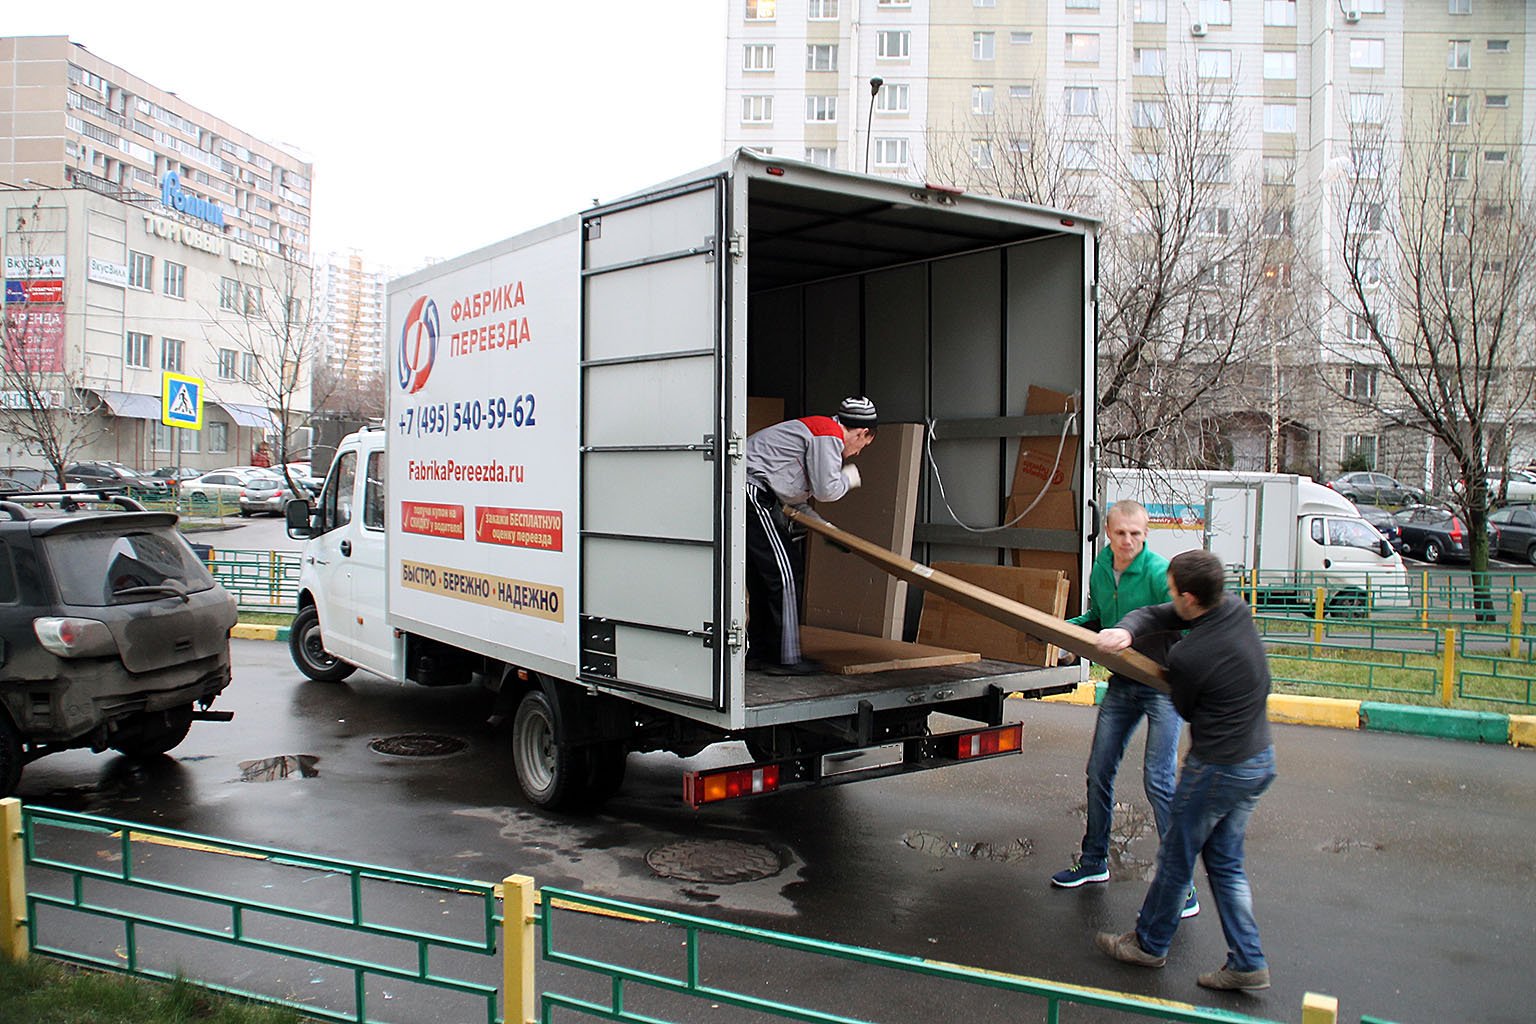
(247, 415)
(138, 407)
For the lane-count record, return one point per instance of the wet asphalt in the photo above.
(1395, 873)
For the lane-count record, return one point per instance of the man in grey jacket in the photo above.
(788, 464)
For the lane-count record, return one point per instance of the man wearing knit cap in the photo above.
(788, 464)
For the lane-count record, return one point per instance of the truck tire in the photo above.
(10, 756)
(552, 774)
(307, 648)
(152, 733)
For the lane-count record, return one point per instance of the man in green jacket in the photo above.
(1126, 575)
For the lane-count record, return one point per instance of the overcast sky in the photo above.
(439, 127)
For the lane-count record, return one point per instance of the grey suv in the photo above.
(112, 633)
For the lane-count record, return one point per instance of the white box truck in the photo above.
(1287, 528)
(555, 505)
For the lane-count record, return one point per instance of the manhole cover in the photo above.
(714, 860)
(270, 769)
(417, 744)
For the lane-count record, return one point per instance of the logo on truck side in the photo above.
(418, 345)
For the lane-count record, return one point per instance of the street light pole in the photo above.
(874, 91)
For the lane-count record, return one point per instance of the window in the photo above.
(1080, 155)
(175, 283)
(1021, 38)
(190, 439)
(1019, 146)
(1367, 53)
(1366, 161)
(1277, 275)
(1369, 271)
(1459, 7)
(1020, 92)
(757, 109)
(1080, 5)
(1498, 100)
(1364, 218)
(1280, 64)
(821, 10)
(141, 267)
(1458, 54)
(227, 357)
(1277, 223)
(250, 367)
(757, 57)
(373, 493)
(893, 3)
(1080, 101)
(160, 440)
(1456, 220)
(1212, 327)
(1214, 115)
(1083, 47)
(1357, 328)
(983, 46)
(1457, 164)
(1498, 46)
(229, 294)
(253, 304)
(893, 45)
(821, 156)
(1216, 12)
(171, 353)
(336, 501)
(1360, 446)
(1366, 108)
(1149, 61)
(218, 437)
(1146, 166)
(893, 99)
(1215, 275)
(821, 57)
(821, 108)
(1213, 168)
(1280, 13)
(1458, 109)
(1371, 6)
(136, 350)
(1148, 113)
(981, 154)
(761, 10)
(1495, 156)
(1214, 221)
(1214, 63)
(1280, 118)
(1150, 12)
(1279, 170)
(891, 152)
(982, 101)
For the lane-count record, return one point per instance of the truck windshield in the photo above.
(102, 569)
(1353, 533)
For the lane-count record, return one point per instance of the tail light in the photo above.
(997, 740)
(708, 787)
(74, 638)
(1455, 530)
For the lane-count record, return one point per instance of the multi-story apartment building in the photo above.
(144, 236)
(350, 298)
(1305, 86)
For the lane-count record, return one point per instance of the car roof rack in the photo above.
(67, 501)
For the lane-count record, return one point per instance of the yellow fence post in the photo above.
(1516, 621)
(1319, 1009)
(13, 887)
(1318, 600)
(1424, 599)
(1448, 668)
(518, 943)
(272, 581)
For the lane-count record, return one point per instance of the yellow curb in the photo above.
(1522, 730)
(1084, 694)
(1327, 711)
(243, 631)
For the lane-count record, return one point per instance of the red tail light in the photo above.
(1455, 530)
(707, 787)
(991, 741)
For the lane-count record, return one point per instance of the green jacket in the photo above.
(1144, 582)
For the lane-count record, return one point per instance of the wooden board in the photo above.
(845, 592)
(849, 654)
(947, 624)
(1046, 627)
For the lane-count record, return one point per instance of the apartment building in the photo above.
(350, 298)
(1313, 89)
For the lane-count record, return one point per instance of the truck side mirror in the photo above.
(300, 519)
(1386, 549)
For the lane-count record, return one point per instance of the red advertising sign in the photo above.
(40, 290)
(520, 527)
(34, 338)
(432, 520)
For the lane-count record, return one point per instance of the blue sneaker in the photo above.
(1079, 874)
(1191, 904)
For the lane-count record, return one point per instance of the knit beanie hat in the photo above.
(857, 412)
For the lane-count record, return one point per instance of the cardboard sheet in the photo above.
(849, 654)
(947, 624)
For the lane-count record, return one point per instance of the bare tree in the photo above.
(1434, 273)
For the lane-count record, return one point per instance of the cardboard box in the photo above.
(947, 624)
(1064, 562)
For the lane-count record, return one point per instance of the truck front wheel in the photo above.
(307, 648)
(552, 774)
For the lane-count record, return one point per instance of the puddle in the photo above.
(935, 845)
(269, 769)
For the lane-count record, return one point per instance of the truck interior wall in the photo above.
(896, 365)
(834, 344)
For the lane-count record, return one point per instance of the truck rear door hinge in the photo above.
(733, 447)
(735, 635)
(738, 245)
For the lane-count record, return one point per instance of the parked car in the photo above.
(1385, 523)
(1522, 486)
(1512, 533)
(265, 492)
(116, 475)
(31, 479)
(303, 474)
(115, 636)
(221, 485)
(1433, 534)
(175, 475)
(1376, 489)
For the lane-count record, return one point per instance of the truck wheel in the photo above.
(1431, 551)
(1348, 604)
(10, 756)
(152, 733)
(307, 649)
(552, 774)
(606, 763)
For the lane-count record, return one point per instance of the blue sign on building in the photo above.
(171, 195)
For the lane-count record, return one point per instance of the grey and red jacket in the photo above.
(799, 459)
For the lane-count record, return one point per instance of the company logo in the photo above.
(172, 196)
(418, 345)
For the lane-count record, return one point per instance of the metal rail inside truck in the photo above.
(555, 504)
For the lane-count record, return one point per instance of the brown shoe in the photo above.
(1127, 949)
(1229, 980)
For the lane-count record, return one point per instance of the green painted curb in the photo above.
(1445, 723)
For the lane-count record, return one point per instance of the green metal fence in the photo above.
(265, 581)
(353, 942)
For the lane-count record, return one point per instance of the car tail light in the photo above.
(1455, 530)
(74, 638)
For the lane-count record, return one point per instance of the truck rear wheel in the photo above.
(152, 733)
(307, 648)
(552, 774)
(10, 756)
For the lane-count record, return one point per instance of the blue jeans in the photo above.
(1210, 814)
(1125, 703)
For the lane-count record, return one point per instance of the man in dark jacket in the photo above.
(1219, 677)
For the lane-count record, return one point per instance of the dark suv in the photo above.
(112, 633)
(115, 474)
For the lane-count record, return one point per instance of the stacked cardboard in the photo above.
(947, 624)
(1042, 483)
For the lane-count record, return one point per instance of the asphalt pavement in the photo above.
(1392, 872)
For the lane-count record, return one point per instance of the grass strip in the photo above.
(43, 991)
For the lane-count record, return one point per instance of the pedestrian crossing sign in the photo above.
(181, 401)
